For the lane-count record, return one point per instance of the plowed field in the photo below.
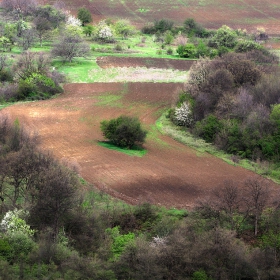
(170, 174)
(248, 14)
(163, 63)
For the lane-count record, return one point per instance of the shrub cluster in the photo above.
(234, 99)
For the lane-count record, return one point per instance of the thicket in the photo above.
(234, 103)
(28, 78)
(52, 227)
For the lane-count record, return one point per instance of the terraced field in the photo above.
(247, 14)
(170, 174)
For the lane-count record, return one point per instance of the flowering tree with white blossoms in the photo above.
(73, 24)
(12, 223)
(183, 115)
(105, 33)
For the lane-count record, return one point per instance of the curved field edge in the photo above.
(165, 126)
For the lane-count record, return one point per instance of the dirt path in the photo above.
(170, 174)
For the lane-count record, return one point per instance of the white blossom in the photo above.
(71, 20)
(12, 223)
(183, 115)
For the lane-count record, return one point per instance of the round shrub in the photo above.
(123, 131)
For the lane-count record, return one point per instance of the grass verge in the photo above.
(135, 151)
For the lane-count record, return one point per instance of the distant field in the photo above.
(247, 14)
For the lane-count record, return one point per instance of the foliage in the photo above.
(187, 51)
(123, 131)
(224, 37)
(37, 86)
(13, 223)
(208, 128)
(84, 15)
(247, 45)
(192, 28)
(124, 28)
(120, 241)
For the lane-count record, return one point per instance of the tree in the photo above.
(51, 14)
(187, 51)
(123, 131)
(123, 28)
(70, 46)
(256, 198)
(84, 16)
(42, 26)
(55, 197)
(27, 39)
(224, 37)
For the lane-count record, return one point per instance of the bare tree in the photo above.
(42, 27)
(20, 6)
(31, 62)
(70, 46)
(256, 197)
(27, 39)
(229, 200)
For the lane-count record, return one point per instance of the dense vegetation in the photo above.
(54, 225)
(233, 101)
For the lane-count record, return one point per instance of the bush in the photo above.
(37, 86)
(5, 76)
(187, 51)
(123, 131)
(246, 46)
(208, 128)
(169, 51)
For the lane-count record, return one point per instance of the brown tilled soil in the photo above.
(170, 174)
(244, 14)
(163, 63)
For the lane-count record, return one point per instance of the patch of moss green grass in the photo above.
(77, 70)
(180, 134)
(154, 135)
(134, 151)
(5, 104)
(110, 100)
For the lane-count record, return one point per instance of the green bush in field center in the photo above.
(123, 131)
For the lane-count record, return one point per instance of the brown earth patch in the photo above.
(248, 14)
(170, 174)
(163, 63)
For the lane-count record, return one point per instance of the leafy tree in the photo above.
(84, 16)
(224, 37)
(123, 131)
(187, 51)
(163, 25)
(124, 28)
(208, 128)
(88, 30)
(168, 38)
(194, 29)
(54, 16)
(70, 46)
